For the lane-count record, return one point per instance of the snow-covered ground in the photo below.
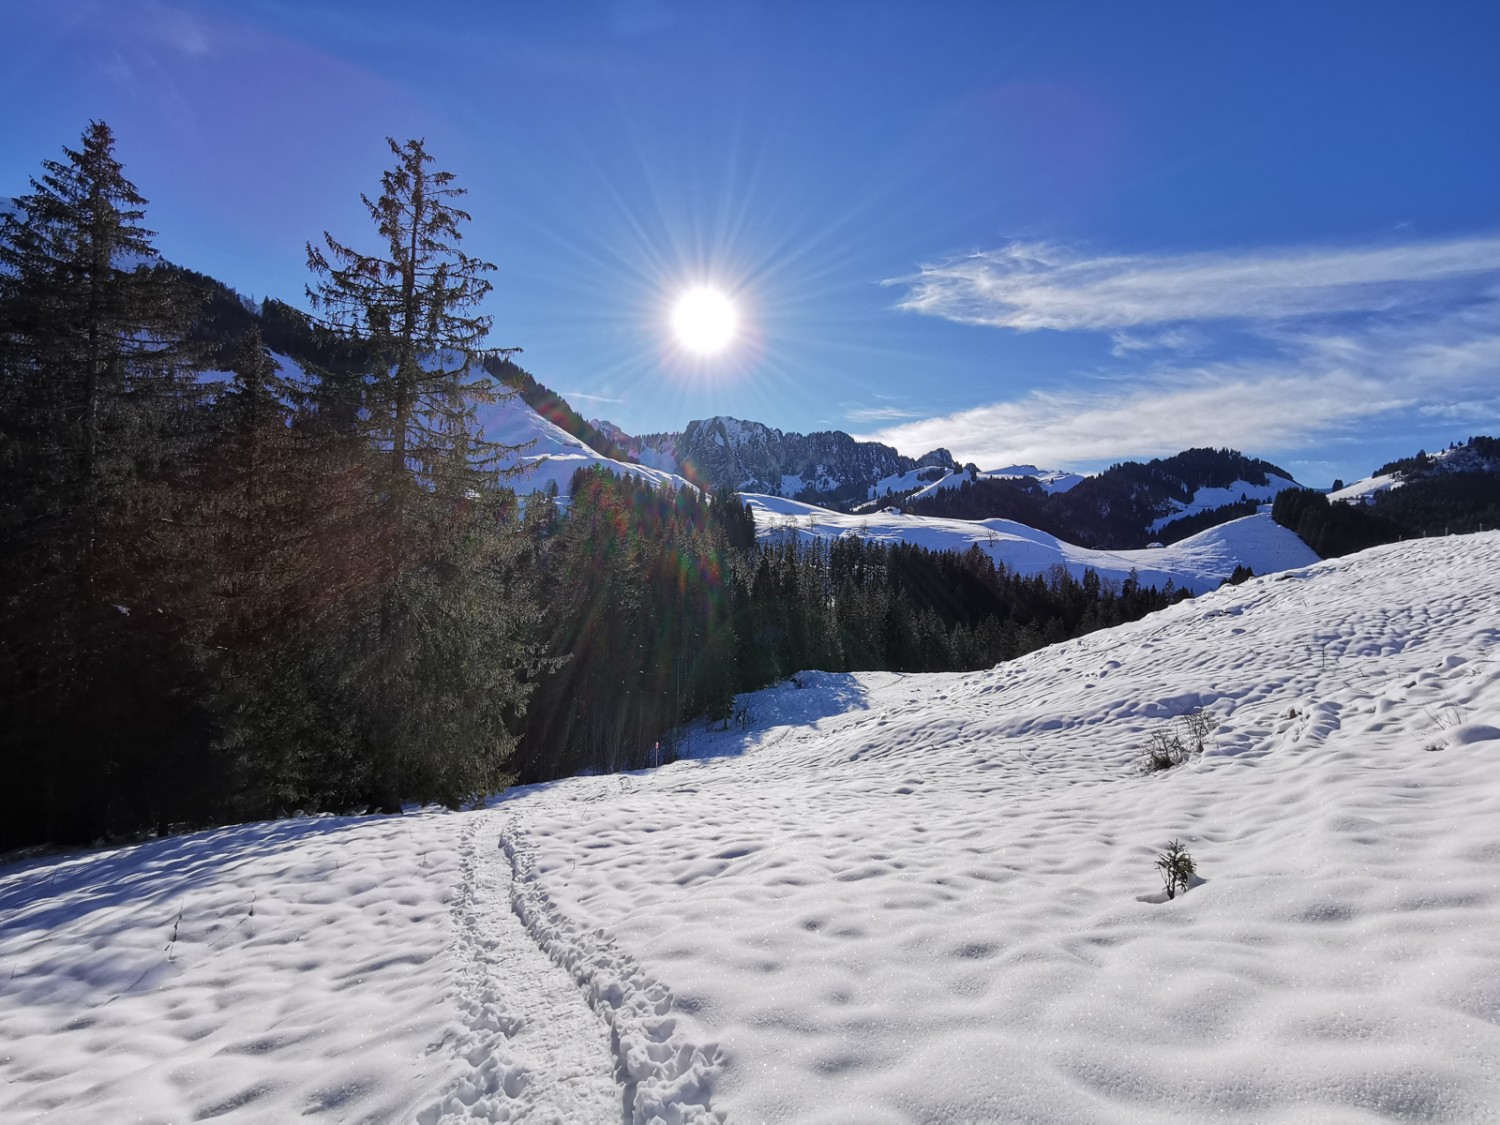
(885, 898)
(1200, 562)
(363, 969)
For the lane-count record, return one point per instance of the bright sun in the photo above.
(704, 320)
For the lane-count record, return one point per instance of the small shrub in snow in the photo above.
(1176, 867)
(1187, 738)
(1164, 750)
(1198, 728)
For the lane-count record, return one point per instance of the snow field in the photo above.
(363, 969)
(302, 978)
(901, 898)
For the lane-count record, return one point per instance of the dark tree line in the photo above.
(1184, 526)
(664, 606)
(235, 599)
(1019, 498)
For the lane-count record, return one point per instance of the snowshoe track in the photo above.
(668, 1078)
(536, 1053)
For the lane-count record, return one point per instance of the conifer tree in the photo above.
(436, 657)
(97, 397)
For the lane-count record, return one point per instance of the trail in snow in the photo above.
(668, 1069)
(338, 968)
(537, 1052)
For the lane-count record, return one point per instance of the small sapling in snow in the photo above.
(172, 941)
(1176, 867)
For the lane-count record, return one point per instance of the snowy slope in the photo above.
(1206, 499)
(1051, 480)
(339, 968)
(932, 898)
(887, 898)
(1365, 490)
(1198, 563)
(551, 454)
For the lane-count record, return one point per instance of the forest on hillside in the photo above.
(1453, 496)
(233, 587)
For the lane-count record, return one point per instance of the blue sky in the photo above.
(1064, 234)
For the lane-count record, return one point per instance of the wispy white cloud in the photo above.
(862, 415)
(1185, 341)
(1034, 285)
(1483, 411)
(1319, 387)
(584, 396)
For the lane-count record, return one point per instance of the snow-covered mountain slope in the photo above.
(551, 454)
(1206, 499)
(1051, 480)
(926, 483)
(1365, 490)
(1198, 563)
(883, 898)
(1477, 455)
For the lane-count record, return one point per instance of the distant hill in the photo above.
(1454, 491)
(1128, 505)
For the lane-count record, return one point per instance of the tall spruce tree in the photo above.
(97, 415)
(437, 655)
